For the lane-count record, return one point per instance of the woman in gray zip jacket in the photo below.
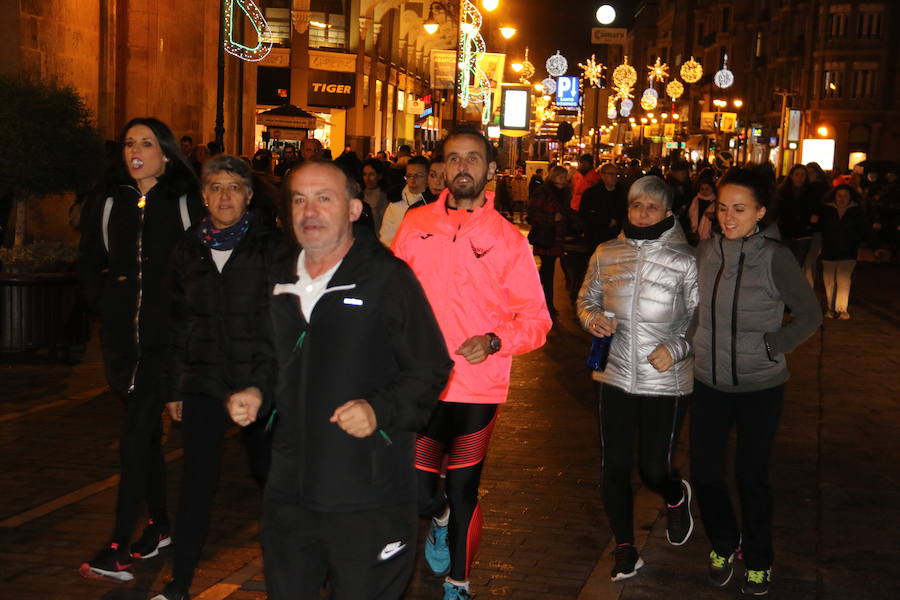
(648, 277)
(747, 277)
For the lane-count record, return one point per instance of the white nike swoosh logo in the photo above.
(391, 549)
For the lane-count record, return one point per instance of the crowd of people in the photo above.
(358, 320)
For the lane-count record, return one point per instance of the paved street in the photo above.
(835, 475)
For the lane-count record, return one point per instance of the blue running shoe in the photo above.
(437, 552)
(456, 592)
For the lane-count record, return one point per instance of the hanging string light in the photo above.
(557, 65)
(258, 21)
(593, 70)
(549, 86)
(648, 101)
(724, 78)
(674, 90)
(527, 71)
(473, 83)
(691, 71)
(658, 71)
(624, 75)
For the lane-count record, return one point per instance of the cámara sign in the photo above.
(331, 89)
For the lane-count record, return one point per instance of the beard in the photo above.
(468, 190)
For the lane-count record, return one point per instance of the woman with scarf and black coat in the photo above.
(126, 244)
(219, 344)
(549, 215)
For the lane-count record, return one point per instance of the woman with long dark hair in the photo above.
(746, 279)
(797, 212)
(126, 246)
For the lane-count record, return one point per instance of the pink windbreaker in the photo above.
(479, 278)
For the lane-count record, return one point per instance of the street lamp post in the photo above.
(220, 81)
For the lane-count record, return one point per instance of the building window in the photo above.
(327, 24)
(726, 19)
(832, 84)
(869, 25)
(699, 33)
(864, 83)
(837, 26)
(759, 44)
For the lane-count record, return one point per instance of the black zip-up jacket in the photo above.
(218, 342)
(842, 236)
(129, 285)
(372, 335)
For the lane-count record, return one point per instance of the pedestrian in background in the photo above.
(125, 253)
(647, 278)
(403, 198)
(603, 208)
(548, 214)
(702, 211)
(361, 363)
(796, 212)
(746, 279)
(844, 228)
(374, 193)
(218, 337)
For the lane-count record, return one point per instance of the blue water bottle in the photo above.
(600, 348)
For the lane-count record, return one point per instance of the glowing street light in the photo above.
(738, 103)
(517, 67)
(490, 5)
(606, 14)
(507, 32)
(538, 86)
(431, 27)
(822, 130)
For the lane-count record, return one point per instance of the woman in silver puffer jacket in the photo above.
(648, 278)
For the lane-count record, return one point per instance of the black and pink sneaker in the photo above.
(150, 542)
(110, 563)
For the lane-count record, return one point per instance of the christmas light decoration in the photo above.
(691, 71)
(648, 101)
(624, 93)
(651, 92)
(625, 112)
(624, 76)
(557, 65)
(527, 71)
(258, 21)
(593, 70)
(626, 104)
(471, 49)
(549, 86)
(724, 78)
(611, 111)
(674, 90)
(658, 71)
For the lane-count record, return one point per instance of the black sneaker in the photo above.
(679, 522)
(721, 568)
(628, 561)
(110, 563)
(756, 583)
(153, 538)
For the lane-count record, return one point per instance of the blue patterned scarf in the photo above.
(223, 239)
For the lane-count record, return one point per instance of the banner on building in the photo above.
(669, 130)
(443, 69)
(415, 107)
(608, 35)
(708, 121)
(331, 89)
(793, 128)
(728, 122)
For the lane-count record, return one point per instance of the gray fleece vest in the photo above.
(739, 304)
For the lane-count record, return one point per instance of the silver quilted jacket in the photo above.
(651, 286)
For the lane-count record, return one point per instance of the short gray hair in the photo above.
(653, 187)
(228, 164)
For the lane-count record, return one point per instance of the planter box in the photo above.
(35, 310)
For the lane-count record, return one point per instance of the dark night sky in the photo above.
(546, 26)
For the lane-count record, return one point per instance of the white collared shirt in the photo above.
(311, 289)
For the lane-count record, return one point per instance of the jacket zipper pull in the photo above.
(271, 420)
(299, 343)
(142, 201)
(386, 437)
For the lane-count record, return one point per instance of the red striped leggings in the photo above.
(461, 432)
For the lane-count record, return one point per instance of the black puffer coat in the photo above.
(219, 339)
(128, 285)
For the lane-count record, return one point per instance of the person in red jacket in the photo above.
(481, 281)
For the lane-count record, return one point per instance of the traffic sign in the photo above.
(567, 92)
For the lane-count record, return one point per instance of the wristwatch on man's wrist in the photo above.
(494, 342)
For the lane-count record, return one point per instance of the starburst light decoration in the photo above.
(674, 90)
(691, 71)
(624, 94)
(624, 76)
(258, 21)
(658, 71)
(723, 77)
(557, 65)
(593, 70)
(527, 71)
(549, 86)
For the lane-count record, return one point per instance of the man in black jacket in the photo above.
(361, 363)
(603, 208)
